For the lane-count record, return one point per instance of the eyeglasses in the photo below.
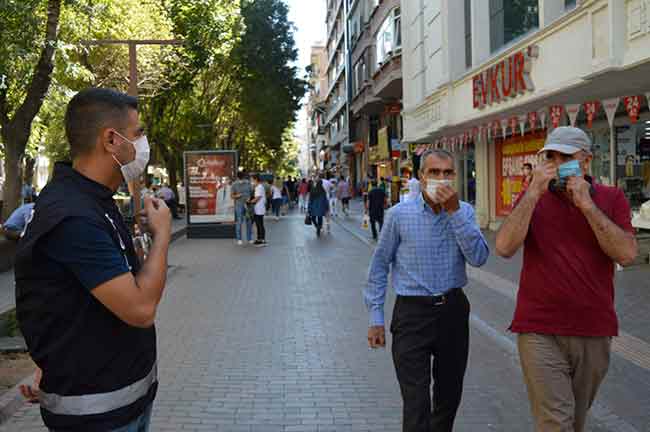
(437, 172)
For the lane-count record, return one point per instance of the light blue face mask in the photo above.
(569, 169)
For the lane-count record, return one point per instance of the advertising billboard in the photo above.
(511, 155)
(209, 176)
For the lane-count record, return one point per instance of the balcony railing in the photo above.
(388, 73)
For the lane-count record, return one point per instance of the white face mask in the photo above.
(432, 187)
(134, 169)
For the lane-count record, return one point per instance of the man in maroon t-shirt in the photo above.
(573, 231)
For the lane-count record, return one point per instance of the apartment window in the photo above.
(569, 4)
(511, 19)
(389, 37)
(468, 33)
(397, 25)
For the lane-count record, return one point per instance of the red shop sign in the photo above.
(506, 79)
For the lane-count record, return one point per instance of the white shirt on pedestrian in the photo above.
(327, 185)
(414, 189)
(277, 193)
(260, 205)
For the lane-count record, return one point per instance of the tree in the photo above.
(271, 88)
(23, 88)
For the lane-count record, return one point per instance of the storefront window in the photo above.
(466, 176)
(510, 19)
(601, 155)
(633, 161)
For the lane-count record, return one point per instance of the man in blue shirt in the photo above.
(15, 224)
(426, 243)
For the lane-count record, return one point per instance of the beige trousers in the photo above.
(562, 374)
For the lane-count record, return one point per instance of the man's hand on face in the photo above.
(578, 190)
(448, 198)
(542, 176)
(376, 337)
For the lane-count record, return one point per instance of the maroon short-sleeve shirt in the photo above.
(567, 281)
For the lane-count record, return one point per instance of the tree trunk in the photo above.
(16, 131)
(12, 187)
(30, 165)
(172, 168)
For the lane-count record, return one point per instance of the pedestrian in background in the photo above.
(276, 201)
(427, 244)
(327, 186)
(241, 193)
(85, 304)
(332, 190)
(16, 222)
(182, 197)
(166, 194)
(414, 188)
(303, 195)
(269, 194)
(343, 195)
(573, 231)
(259, 201)
(376, 204)
(318, 206)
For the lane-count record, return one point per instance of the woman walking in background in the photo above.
(276, 200)
(318, 205)
(303, 192)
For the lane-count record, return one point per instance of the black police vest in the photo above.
(81, 346)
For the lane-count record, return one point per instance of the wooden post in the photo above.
(133, 70)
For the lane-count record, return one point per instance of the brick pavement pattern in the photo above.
(274, 339)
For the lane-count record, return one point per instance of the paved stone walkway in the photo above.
(274, 339)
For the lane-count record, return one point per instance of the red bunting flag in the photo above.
(532, 120)
(572, 111)
(513, 125)
(633, 106)
(591, 110)
(556, 115)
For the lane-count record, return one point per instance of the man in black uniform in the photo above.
(85, 304)
(375, 205)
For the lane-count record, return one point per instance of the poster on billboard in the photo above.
(511, 155)
(209, 176)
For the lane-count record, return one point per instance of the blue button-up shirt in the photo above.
(427, 252)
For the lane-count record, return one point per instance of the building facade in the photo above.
(375, 90)
(336, 119)
(317, 137)
(489, 79)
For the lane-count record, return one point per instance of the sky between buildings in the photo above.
(309, 18)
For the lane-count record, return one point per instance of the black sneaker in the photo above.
(261, 243)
